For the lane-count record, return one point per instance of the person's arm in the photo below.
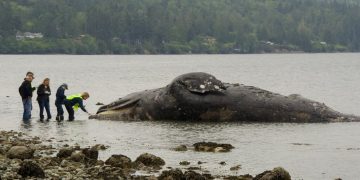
(81, 105)
(47, 91)
(41, 90)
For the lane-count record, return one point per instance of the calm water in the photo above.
(329, 78)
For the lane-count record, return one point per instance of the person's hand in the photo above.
(34, 88)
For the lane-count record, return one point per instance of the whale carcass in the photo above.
(201, 97)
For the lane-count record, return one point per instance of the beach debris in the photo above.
(180, 148)
(184, 163)
(212, 147)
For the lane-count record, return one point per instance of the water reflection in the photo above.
(25, 125)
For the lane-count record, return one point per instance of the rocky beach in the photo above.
(26, 157)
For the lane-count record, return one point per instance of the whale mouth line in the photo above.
(120, 104)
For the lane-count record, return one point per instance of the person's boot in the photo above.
(41, 118)
(61, 118)
(57, 118)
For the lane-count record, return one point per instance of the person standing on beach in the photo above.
(43, 93)
(26, 92)
(59, 101)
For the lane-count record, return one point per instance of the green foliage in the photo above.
(180, 26)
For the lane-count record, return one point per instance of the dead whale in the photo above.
(201, 97)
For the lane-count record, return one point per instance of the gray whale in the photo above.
(201, 97)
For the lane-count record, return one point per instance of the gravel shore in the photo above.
(26, 157)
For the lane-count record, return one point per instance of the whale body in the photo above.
(201, 97)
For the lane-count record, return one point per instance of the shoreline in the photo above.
(23, 156)
(183, 54)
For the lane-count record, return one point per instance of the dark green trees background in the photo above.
(180, 26)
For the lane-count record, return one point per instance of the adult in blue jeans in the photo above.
(43, 93)
(26, 92)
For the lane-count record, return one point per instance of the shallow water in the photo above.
(326, 151)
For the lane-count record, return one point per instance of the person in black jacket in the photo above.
(60, 97)
(26, 92)
(43, 93)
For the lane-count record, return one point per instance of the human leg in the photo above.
(47, 108)
(27, 108)
(70, 110)
(41, 107)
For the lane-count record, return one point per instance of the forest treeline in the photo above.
(179, 26)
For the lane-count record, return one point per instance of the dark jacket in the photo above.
(43, 93)
(74, 101)
(60, 95)
(25, 90)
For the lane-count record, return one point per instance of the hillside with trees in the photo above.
(178, 26)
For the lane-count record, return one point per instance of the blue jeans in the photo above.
(59, 108)
(44, 104)
(27, 108)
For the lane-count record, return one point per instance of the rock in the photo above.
(77, 147)
(150, 160)
(180, 148)
(99, 163)
(184, 163)
(91, 153)
(193, 168)
(99, 104)
(277, 173)
(50, 161)
(99, 147)
(212, 147)
(235, 168)
(177, 174)
(151, 177)
(2, 151)
(301, 144)
(222, 163)
(173, 174)
(194, 175)
(64, 163)
(242, 177)
(3, 139)
(65, 152)
(118, 160)
(20, 152)
(112, 173)
(77, 157)
(31, 169)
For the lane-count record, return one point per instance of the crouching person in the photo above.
(74, 102)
